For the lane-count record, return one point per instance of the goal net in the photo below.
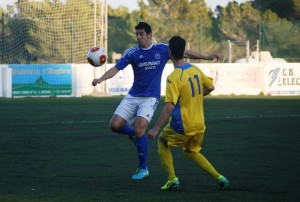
(50, 31)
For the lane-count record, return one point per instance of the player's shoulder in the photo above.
(196, 68)
(175, 74)
(131, 51)
(161, 46)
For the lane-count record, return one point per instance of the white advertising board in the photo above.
(236, 79)
(121, 82)
(282, 79)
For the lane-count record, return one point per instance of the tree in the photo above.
(189, 19)
(280, 36)
(120, 37)
(289, 9)
(237, 23)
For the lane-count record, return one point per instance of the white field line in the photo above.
(271, 116)
(57, 122)
(103, 121)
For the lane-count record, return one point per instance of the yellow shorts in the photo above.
(192, 143)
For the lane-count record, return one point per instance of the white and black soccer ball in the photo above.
(96, 56)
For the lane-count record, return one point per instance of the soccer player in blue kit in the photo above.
(185, 89)
(148, 60)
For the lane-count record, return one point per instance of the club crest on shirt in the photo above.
(157, 56)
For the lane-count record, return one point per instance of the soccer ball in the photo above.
(96, 56)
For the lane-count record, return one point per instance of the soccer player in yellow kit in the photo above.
(186, 87)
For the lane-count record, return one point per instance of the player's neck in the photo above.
(147, 46)
(180, 62)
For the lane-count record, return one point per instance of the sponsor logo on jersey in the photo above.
(149, 65)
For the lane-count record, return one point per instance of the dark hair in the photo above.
(145, 26)
(177, 47)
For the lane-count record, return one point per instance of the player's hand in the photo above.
(214, 56)
(152, 133)
(95, 82)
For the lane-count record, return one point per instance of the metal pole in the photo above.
(229, 51)
(102, 23)
(200, 41)
(95, 37)
(247, 50)
(105, 37)
(72, 39)
(2, 39)
(260, 40)
(200, 35)
(95, 22)
(188, 47)
(106, 28)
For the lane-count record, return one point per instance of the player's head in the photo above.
(176, 47)
(145, 26)
(143, 33)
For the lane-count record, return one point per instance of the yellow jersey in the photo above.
(185, 90)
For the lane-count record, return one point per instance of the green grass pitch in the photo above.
(61, 149)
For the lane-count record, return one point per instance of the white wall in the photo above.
(237, 79)
(229, 79)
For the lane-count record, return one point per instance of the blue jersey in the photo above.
(148, 65)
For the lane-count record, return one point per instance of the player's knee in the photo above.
(188, 154)
(140, 126)
(162, 144)
(139, 131)
(116, 123)
(114, 127)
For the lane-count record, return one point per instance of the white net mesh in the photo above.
(51, 31)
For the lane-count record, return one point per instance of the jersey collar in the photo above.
(184, 67)
(147, 48)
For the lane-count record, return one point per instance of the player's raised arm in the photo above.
(196, 55)
(107, 75)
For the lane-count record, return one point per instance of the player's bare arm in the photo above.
(196, 55)
(165, 114)
(107, 75)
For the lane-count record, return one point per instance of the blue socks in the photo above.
(142, 150)
(126, 130)
(140, 142)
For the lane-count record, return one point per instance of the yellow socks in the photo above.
(202, 162)
(166, 159)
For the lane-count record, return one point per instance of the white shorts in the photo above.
(131, 107)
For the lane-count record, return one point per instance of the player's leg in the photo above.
(119, 125)
(125, 112)
(166, 158)
(202, 162)
(166, 139)
(145, 112)
(141, 143)
(191, 151)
